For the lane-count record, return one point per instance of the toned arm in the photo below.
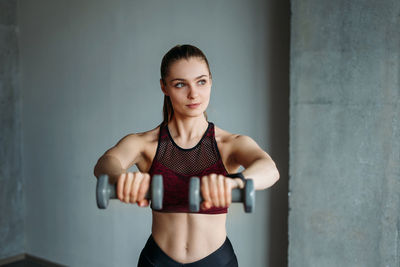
(258, 165)
(121, 157)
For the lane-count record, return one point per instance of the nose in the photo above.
(192, 93)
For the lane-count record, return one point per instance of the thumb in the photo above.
(205, 205)
(143, 203)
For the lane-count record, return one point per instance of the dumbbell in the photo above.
(246, 195)
(106, 191)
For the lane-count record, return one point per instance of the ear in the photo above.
(162, 85)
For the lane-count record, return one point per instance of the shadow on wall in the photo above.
(278, 83)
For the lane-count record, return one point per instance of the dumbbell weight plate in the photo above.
(106, 191)
(249, 196)
(157, 192)
(246, 195)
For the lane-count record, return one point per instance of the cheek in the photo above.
(177, 98)
(205, 91)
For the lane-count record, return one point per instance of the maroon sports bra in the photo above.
(177, 165)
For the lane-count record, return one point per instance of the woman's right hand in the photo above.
(132, 188)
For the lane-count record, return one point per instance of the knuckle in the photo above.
(142, 190)
(203, 186)
(213, 194)
(126, 190)
(221, 192)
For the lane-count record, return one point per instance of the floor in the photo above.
(24, 263)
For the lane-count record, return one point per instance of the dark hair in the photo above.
(176, 53)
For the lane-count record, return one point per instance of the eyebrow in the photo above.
(181, 79)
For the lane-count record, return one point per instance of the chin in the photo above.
(195, 114)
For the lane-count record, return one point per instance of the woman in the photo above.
(185, 144)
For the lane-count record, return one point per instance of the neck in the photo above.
(187, 128)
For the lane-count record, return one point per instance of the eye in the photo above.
(202, 82)
(179, 85)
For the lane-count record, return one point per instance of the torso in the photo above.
(187, 237)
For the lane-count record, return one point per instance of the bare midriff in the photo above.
(188, 237)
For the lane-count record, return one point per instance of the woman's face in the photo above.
(188, 85)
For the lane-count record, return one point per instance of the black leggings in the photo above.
(153, 256)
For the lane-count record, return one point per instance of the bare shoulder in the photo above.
(134, 147)
(226, 138)
(148, 136)
(230, 146)
(241, 149)
(140, 138)
(236, 143)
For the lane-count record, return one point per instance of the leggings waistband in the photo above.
(152, 255)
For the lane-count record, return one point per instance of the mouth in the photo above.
(194, 105)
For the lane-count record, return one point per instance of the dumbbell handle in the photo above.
(106, 191)
(245, 195)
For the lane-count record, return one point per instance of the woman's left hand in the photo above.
(216, 190)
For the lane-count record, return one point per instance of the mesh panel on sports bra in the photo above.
(177, 165)
(188, 161)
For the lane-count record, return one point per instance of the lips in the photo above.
(194, 105)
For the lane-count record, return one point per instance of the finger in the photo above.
(221, 190)
(213, 187)
(205, 192)
(239, 183)
(228, 191)
(120, 186)
(143, 188)
(127, 186)
(135, 187)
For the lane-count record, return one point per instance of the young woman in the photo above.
(186, 144)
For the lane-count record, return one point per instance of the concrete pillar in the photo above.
(11, 197)
(345, 134)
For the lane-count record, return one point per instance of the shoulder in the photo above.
(227, 137)
(149, 136)
(236, 149)
(140, 138)
(133, 147)
(230, 139)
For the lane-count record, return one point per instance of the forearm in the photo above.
(263, 172)
(108, 165)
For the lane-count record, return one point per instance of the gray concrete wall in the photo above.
(345, 134)
(11, 182)
(90, 75)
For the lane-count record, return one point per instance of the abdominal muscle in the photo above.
(188, 237)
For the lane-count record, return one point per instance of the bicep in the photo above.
(128, 150)
(245, 151)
